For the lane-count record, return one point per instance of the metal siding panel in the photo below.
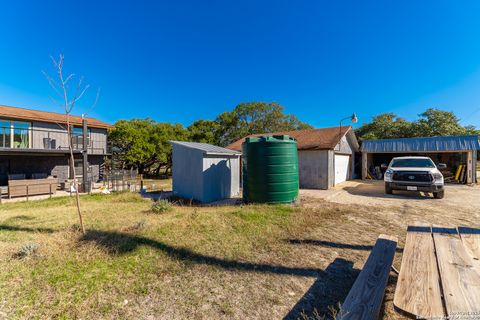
(220, 177)
(428, 144)
(313, 169)
(331, 168)
(205, 147)
(187, 173)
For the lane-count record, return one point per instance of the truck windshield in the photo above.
(412, 163)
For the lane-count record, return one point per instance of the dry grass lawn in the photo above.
(242, 262)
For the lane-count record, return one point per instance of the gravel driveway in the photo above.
(369, 212)
(461, 202)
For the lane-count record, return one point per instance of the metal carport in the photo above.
(464, 148)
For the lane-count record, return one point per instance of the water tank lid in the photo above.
(283, 137)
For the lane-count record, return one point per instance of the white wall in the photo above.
(221, 176)
(187, 169)
(317, 167)
(204, 178)
(313, 169)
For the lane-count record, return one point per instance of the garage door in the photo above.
(341, 167)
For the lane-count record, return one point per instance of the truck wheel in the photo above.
(388, 189)
(439, 194)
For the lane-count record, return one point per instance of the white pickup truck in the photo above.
(414, 174)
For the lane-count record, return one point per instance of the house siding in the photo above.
(313, 169)
(51, 165)
(98, 143)
(57, 132)
(42, 130)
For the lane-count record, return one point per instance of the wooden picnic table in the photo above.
(440, 273)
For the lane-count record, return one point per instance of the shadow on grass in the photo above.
(121, 243)
(26, 229)
(334, 244)
(329, 289)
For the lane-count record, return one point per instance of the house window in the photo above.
(6, 134)
(15, 134)
(77, 138)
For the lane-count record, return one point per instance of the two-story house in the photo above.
(35, 144)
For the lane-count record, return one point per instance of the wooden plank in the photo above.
(471, 241)
(365, 298)
(18, 188)
(418, 286)
(460, 280)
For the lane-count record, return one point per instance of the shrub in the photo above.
(161, 206)
(27, 249)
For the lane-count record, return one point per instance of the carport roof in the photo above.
(206, 148)
(427, 144)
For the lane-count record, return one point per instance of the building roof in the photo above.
(45, 116)
(308, 139)
(206, 148)
(427, 144)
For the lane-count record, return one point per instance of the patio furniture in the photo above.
(16, 176)
(364, 300)
(440, 273)
(30, 187)
(39, 175)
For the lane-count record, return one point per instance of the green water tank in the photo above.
(270, 169)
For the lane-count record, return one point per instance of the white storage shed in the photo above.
(204, 172)
(326, 156)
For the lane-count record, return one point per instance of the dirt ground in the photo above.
(459, 201)
(379, 213)
(194, 262)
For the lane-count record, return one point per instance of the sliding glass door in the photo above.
(21, 135)
(15, 134)
(5, 134)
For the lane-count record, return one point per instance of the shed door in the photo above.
(341, 168)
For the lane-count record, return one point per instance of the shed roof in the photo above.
(45, 116)
(425, 144)
(308, 139)
(206, 148)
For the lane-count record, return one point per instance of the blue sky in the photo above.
(178, 61)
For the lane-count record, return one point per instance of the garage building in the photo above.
(326, 156)
(204, 172)
(454, 151)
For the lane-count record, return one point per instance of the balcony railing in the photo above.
(43, 139)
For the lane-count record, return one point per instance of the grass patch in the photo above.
(126, 254)
(228, 262)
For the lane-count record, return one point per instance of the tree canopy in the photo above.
(432, 122)
(143, 143)
(246, 118)
(255, 117)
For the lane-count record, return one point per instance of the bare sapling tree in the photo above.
(68, 100)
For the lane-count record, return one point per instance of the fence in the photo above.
(130, 180)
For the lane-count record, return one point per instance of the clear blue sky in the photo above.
(178, 61)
